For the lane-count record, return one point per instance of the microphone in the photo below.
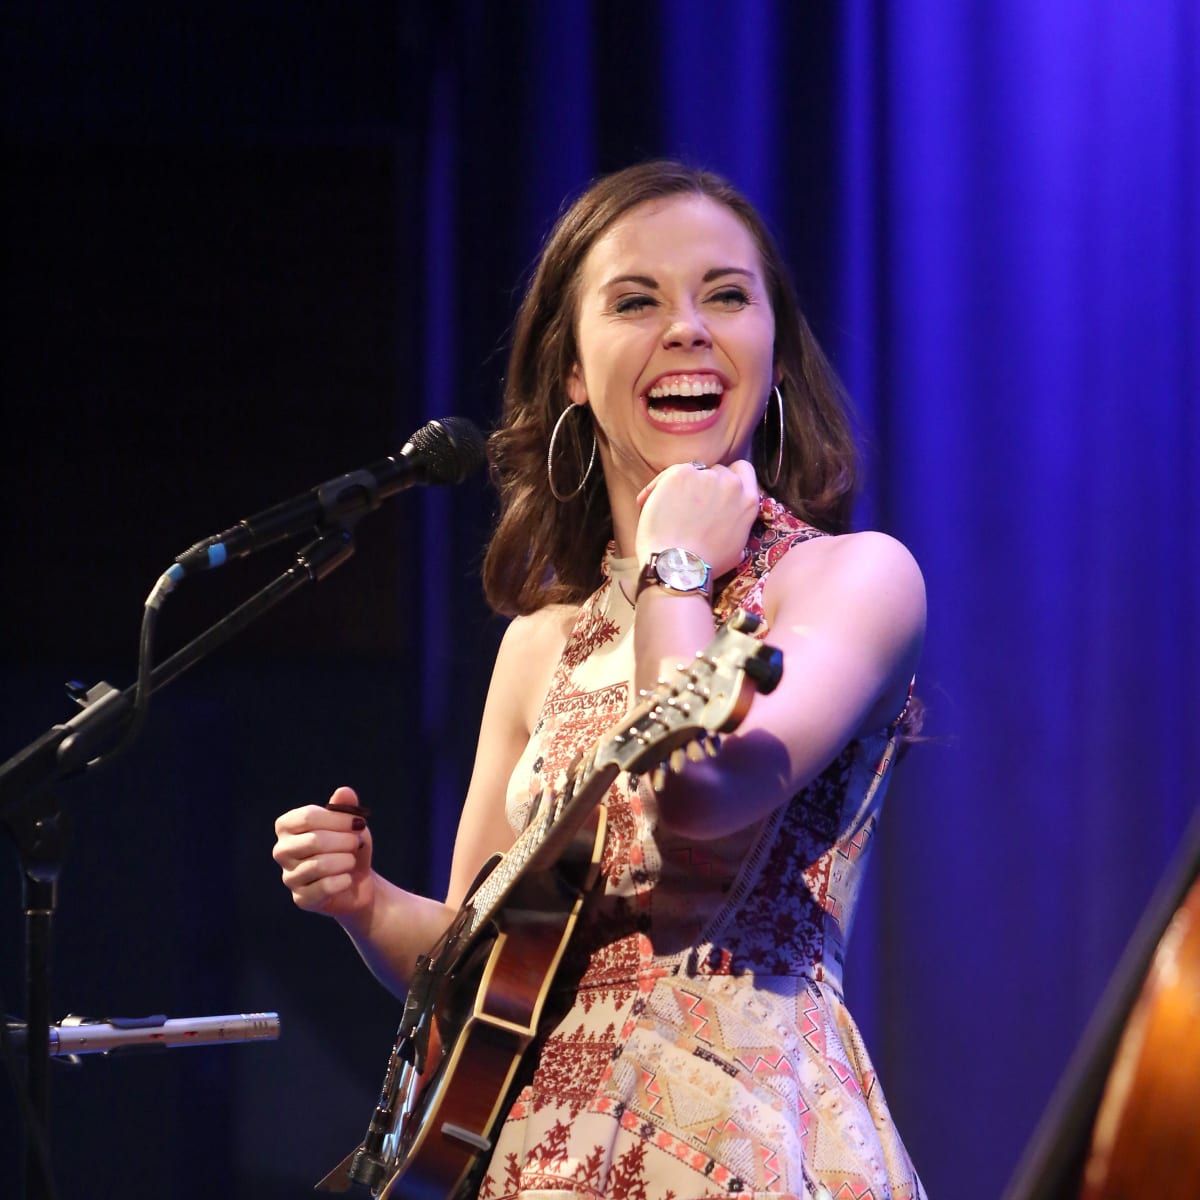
(444, 451)
(79, 1035)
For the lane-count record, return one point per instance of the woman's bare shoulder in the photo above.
(858, 589)
(869, 559)
(538, 632)
(529, 652)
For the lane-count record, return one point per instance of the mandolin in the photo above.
(477, 997)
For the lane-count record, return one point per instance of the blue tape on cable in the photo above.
(216, 555)
(175, 573)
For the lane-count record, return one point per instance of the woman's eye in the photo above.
(632, 304)
(731, 297)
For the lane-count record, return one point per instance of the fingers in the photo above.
(322, 893)
(305, 834)
(743, 469)
(291, 849)
(320, 867)
(708, 510)
(745, 472)
(700, 479)
(316, 816)
(346, 798)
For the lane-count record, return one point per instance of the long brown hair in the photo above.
(545, 551)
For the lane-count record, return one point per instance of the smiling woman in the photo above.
(600, 283)
(696, 1041)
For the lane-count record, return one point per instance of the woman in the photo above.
(664, 393)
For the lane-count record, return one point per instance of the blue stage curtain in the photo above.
(1021, 290)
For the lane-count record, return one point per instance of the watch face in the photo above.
(681, 569)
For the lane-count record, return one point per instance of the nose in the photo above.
(686, 330)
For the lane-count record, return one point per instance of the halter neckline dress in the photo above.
(706, 1049)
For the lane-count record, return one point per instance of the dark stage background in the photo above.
(249, 247)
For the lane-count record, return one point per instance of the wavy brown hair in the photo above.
(544, 551)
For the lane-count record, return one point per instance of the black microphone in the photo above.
(444, 451)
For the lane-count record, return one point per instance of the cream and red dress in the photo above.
(706, 1050)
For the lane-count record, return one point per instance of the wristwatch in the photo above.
(677, 571)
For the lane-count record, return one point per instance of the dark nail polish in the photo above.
(359, 823)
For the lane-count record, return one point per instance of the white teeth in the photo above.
(686, 385)
(679, 416)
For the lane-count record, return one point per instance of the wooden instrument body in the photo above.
(1146, 1141)
(488, 1017)
(1124, 1121)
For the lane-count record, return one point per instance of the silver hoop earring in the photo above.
(772, 480)
(559, 496)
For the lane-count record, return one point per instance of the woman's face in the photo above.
(676, 338)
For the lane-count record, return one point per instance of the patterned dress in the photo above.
(704, 1048)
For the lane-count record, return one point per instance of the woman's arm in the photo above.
(524, 667)
(848, 614)
(326, 861)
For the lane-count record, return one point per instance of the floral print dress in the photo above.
(703, 1048)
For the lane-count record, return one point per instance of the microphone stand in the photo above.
(31, 813)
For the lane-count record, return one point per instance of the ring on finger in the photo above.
(699, 465)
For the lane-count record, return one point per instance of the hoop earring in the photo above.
(559, 496)
(774, 479)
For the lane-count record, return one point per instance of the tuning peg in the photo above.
(712, 745)
(744, 622)
(658, 780)
(695, 752)
(678, 760)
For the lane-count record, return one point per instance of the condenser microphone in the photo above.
(443, 451)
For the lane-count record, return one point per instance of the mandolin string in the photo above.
(492, 891)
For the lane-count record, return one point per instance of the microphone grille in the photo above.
(450, 449)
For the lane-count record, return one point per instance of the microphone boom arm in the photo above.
(65, 750)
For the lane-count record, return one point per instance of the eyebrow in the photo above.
(709, 276)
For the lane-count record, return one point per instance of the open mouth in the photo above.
(685, 399)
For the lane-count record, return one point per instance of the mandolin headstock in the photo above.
(708, 696)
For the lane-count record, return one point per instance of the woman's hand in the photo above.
(707, 511)
(325, 857)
